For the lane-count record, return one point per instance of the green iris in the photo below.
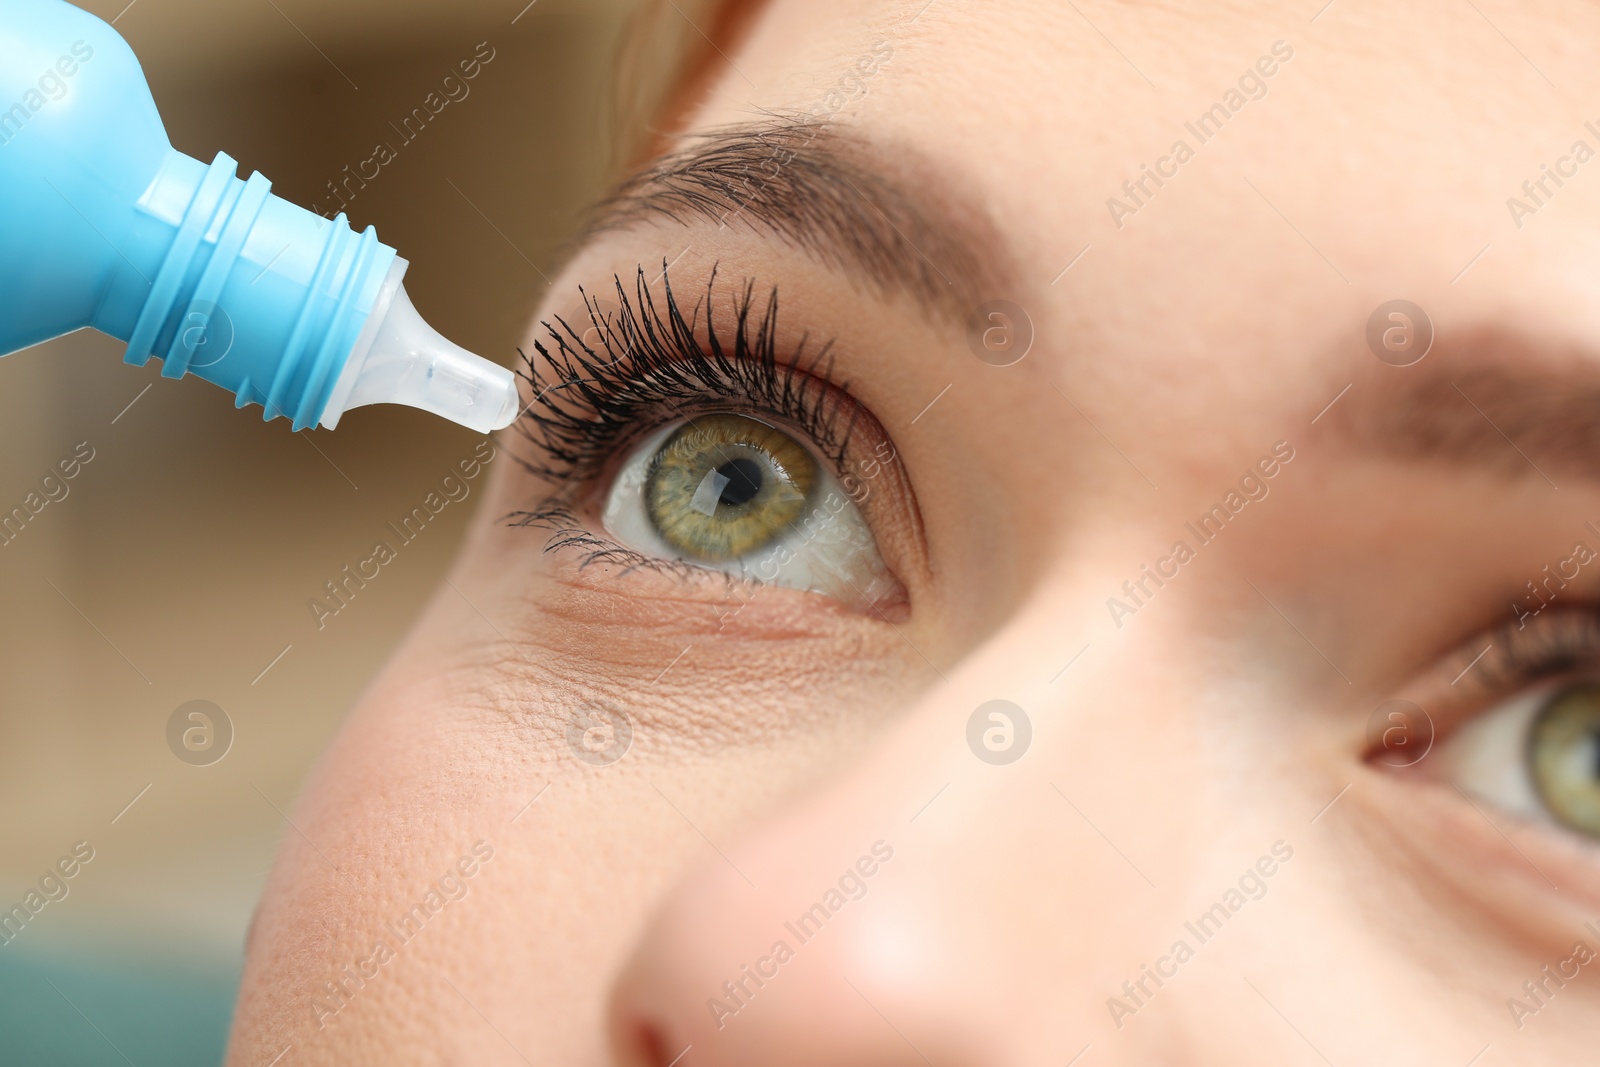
(1564, 757)
(725, 485)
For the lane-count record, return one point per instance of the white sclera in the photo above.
(1487, 756)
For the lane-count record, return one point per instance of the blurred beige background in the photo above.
(181, 562)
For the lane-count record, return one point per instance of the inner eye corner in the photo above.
(1528, 747)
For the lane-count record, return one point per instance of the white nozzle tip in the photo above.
(510, 405)
(408, 362)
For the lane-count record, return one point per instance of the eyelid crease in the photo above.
(659, 362)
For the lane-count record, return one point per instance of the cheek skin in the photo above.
(467, 725)
(416, 777)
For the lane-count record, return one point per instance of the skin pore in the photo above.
(1199, 739)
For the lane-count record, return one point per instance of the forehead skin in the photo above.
(1218, 318)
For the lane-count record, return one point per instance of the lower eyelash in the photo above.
(587, 404)
(567, 531)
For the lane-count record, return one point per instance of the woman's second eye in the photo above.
(1536, 755)
(735, 494)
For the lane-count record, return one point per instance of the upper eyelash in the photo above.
(1509, 658)
(586, 403)
(1521, 653)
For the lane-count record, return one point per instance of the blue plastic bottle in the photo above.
(103, 224)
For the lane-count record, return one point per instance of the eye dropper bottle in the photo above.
(104, 224)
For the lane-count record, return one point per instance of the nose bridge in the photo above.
(878, 920)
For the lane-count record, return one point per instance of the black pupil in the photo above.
(744, 481)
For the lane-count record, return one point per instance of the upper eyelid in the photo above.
(584, 402)
(1516, 653)
(1503, 660)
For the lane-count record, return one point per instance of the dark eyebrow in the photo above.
(1491, 398)
(824, 189)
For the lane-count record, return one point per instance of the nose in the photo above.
(1004, 891)
(865, 926)
(806, 946)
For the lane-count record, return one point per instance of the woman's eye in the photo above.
(1536, 755)
(735, 494)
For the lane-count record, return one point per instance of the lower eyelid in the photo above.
(574, 532)
(605, 583)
